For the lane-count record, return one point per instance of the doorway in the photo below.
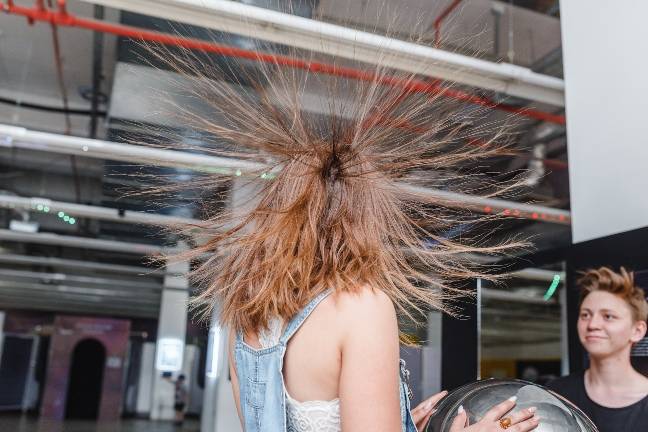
(86, 379)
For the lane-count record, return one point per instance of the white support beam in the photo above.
(495, 206)
(92, 212)
(18, 137)
(80, 242)
(15, 259)
(339, 41)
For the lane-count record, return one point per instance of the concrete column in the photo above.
(145, 380)
(431, 361)
(170, 346)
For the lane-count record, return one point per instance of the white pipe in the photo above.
(78, 264)
(339, 41)
(59, 278)
(19, 137)
(81, 242)
(480, 204)
(93, 212)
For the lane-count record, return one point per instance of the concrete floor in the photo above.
(18, 423)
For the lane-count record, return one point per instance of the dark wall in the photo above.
(459, 347)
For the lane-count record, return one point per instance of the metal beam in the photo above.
(93, 212)
(62, 278)
(18, 137)
(511, 209)
(81, 265)
(117, 293)
(81, 242)
(76, 307)
(344, 42)
(75, 293)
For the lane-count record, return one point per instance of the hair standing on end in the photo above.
(338, 207)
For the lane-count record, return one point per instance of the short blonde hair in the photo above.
(620, 284)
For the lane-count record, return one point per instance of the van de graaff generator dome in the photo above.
(556, 413)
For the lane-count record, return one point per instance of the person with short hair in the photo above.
(612, 318)
(180, 396)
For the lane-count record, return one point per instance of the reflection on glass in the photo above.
(520, 325)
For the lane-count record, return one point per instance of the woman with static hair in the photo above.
(337, 241)
(612, 318)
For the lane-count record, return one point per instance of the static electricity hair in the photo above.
(335, 186)
(621, 284)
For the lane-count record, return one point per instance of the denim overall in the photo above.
(261, 385)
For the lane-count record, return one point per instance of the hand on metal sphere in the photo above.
(421, 414)
(495, 420)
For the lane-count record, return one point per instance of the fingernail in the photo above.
(460, 410)
(532, 409)
(513, 399)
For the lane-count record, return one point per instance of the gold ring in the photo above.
(505, 423)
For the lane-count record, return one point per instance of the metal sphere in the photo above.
(556, 413)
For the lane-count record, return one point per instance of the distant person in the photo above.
(612, 318)
(180, 397)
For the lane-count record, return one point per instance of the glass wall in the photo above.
(522, 330)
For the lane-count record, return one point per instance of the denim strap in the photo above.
(298, 320)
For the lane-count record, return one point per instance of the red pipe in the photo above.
(439, 20)
(63, 18)
(555, 164)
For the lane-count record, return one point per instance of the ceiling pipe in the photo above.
(439, 20)
(510, 209)
(339, 41)
(73, 292)
(7, 275)
(63, 18)
(68, 305)
(18, 137)
(81, 242)
(31, 260)
(92, 212)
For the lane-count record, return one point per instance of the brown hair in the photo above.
(340, 205)
(620, 284)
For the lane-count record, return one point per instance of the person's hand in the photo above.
(522, 421)
(421, 414)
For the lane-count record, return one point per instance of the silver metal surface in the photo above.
(556, 414)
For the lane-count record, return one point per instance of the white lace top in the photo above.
(308, 416)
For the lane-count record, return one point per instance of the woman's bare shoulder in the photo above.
(365, 307)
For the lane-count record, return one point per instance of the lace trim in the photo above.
(313, 416)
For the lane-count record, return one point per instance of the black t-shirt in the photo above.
(631, 418)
